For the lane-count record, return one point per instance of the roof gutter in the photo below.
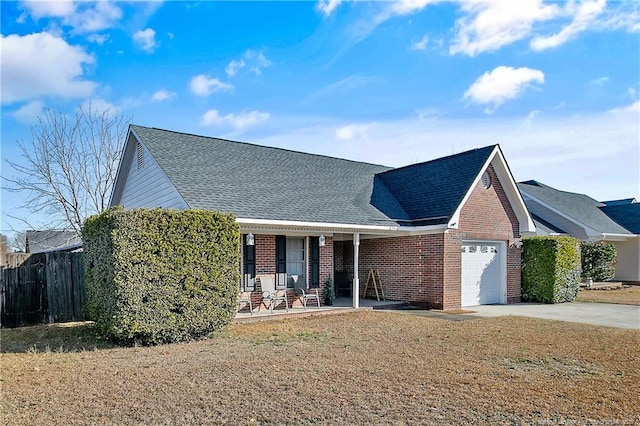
(256, 224)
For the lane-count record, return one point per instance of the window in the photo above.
(248, 281)
(295, 260)
(486, 180)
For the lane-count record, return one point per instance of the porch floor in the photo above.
(340, 305)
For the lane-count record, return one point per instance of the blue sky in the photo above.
(556, 84)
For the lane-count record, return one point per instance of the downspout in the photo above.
(356, 279)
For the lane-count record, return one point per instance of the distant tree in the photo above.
(69, 164)
(4, 244)
(18, 243)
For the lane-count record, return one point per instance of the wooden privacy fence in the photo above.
(41, 288)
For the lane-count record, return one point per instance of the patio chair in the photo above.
(245, 297)
(299, 287)
(270, 294)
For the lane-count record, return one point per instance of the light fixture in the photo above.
(251, 240)
(321, 241)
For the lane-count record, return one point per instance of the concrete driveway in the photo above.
(607, 314)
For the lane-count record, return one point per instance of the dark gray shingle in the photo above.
(580, 207)
(259, 182)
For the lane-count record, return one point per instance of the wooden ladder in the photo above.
(373, 279)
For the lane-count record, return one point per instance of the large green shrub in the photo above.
(550, 269)
(598, 261)
(156, 276)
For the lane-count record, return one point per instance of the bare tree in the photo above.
(18, 243)
(69, 164)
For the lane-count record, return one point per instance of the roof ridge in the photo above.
(264, 146)
(542, 185)
(439, 159)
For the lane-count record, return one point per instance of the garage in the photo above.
(483, 273)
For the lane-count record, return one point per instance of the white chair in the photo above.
(245, 297)
(299, 287)
(270, 294)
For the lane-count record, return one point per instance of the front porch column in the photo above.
(356, 279)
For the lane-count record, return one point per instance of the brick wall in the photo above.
(427, 269)
(266, 265)
(487, 215)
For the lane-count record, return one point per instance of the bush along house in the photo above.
(444, 233)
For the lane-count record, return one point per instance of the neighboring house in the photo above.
(558, 212)
(43, 241)
(444, 233)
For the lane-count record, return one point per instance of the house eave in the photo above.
(269, 225)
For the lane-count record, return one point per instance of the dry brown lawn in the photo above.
(625, 296)
(354, 368)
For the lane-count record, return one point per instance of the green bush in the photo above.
(158, 276)
(598, 261)
(550, 269)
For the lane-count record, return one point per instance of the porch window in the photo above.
(295, 260)
(248, 281)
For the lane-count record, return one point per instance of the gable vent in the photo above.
(140, 153)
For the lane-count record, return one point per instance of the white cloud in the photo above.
(49, 9)
(42, 64)
(253, 60)
(326, 7)
(489, 25)
(146, 39)
(98, 38)
(583, 16)
(202, 85)
(257, 61)
(633, 108)
(421, 44)
(29, 112)
(82, 16)
(406, 7)
(599, 81)
(502, 84)
(238, 122)
(100, 106)
(233, 67)
(351, 132)
(163, 95)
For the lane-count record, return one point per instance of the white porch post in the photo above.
(356, 279)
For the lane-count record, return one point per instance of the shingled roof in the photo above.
(430, 192)
(626, 215)
(579, 207)
(259, 182)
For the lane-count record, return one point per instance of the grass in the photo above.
(367, 367)
(629, 295)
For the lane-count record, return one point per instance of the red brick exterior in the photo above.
(266, 265)
(427, 269)
(424, 269)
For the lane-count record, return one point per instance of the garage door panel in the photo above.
(481, 277)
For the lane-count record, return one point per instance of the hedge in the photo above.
(550, 269)
(159, 276)
(598, 261)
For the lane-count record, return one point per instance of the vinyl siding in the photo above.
(149, 187)
(628, 266)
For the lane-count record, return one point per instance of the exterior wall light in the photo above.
(321, 241)
(251, 240)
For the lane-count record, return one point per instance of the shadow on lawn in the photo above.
(65, 337)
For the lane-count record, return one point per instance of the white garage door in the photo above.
(482, 282)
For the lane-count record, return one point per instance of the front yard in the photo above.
(351, 368)
(625, 296)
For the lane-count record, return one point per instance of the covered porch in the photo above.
(340, 305)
